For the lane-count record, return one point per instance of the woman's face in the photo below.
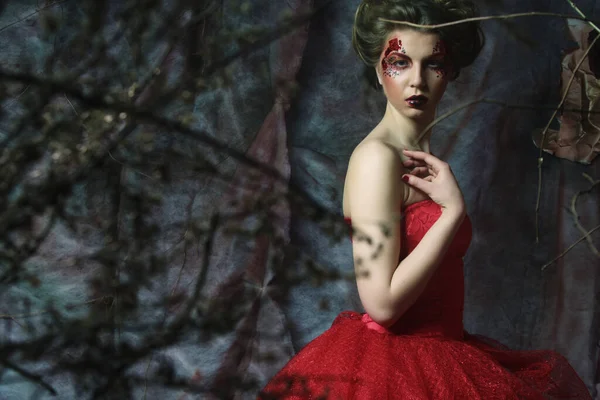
(413, 72)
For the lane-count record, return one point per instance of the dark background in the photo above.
(490, 149)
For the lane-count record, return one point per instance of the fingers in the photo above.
(427, 158)
(417, 167)
(419, 183)
(420, 171)
(414, 164)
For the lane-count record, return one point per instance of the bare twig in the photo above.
(486, 18)
(450, 113)
(42, 312)
(574, 6)
(29, 376)
(570, 247)
(543, 140)
(72, 106)
(576, 215)
(487, 101)
(32, 14)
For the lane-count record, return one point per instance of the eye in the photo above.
(435, 64)
(400, 63)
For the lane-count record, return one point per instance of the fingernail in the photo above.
(405, 178)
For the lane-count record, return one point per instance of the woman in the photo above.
(410, 235)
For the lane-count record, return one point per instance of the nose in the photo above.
(416, 79)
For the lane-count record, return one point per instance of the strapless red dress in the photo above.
(426, 354)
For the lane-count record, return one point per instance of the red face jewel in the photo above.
(440, 48)
(393, 45)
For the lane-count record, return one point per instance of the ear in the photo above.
(378, 73)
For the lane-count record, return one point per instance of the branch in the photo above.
(42, 312)
(29, 376)
(593, 25)
(542, 141)
(134, 112)
(486, 18)
(497, 102)
(32, 14)
(570, 247)
(576, 215)
(280, 31)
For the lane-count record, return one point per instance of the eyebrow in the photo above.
(427, 58)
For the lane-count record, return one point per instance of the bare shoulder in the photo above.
(374, 150)
(373, 187)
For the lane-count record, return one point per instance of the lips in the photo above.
(416, 101)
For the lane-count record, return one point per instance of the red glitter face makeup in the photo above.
(412, 71)
(440, 50)
(387, 63)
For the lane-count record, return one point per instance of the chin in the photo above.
(416, 113)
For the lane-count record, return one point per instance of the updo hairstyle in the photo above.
(463, 41)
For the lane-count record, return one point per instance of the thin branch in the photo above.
(42, 312)
(570, 247)
(29, 376)
(486, 18)
(574, 6)
(450, 113)
(32, 14)
(18, 96)
(543, 140)
(203, 274)
(190, 211)
(124, 165)
(183, 263)
(135, 112)
(280, 31)
(72, 106)
(576, 215)
(488, 101)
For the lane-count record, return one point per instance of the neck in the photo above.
(404, 132)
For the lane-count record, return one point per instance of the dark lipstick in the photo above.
(416, 101)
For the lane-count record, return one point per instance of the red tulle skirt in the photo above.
(357, 359)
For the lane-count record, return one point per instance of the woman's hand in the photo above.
(433, 177)
(416, 168)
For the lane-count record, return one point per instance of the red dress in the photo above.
(426, 354)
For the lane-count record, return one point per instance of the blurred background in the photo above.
(171, 176)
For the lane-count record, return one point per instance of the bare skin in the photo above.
(416, 71)
(411, 64)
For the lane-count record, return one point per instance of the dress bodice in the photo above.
(439, 309)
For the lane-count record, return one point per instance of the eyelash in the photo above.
(432, 64)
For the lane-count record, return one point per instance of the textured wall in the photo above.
(489, 147)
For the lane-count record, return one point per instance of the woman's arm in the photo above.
(413, 273)
(387, 289)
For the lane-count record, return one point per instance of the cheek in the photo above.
(438, 84)
(437, 77)
(441, 73)
(392, 86)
